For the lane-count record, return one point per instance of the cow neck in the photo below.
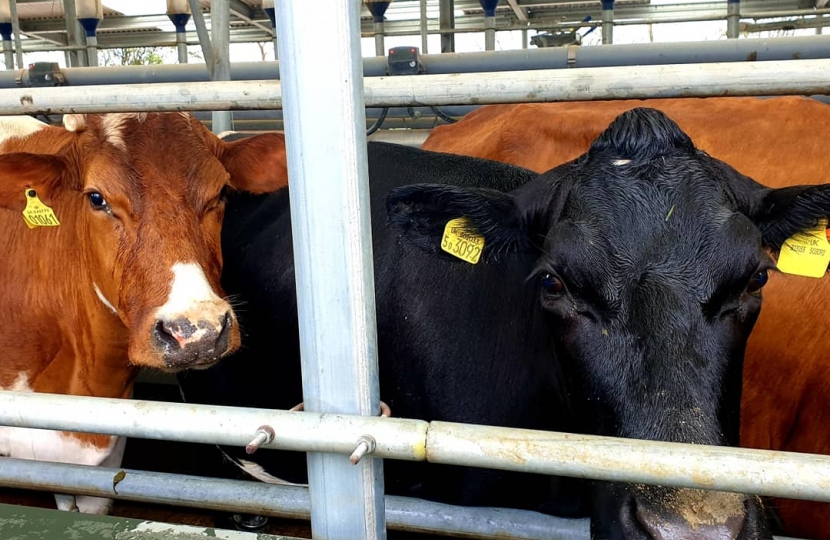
(55, 328)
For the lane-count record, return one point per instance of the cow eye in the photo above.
(552, 285)
(757, 281)
(97, 201)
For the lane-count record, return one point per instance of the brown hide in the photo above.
(162, 178)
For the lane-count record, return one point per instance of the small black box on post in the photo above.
(404, 61)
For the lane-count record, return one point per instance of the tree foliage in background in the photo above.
(131, 56)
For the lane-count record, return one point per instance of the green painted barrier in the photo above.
(24, 523)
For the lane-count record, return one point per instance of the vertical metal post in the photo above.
(181, 46)
(6, 31)
(178, 11)
(92, 50)
(201, 31)
(18, 46)
(268, 8)
(90, 13)
(489, 33)
(733, 18)
(325, 124)
(220, 29)
(424, 35)
(8, 53)
(820, 20)
(379, 48)
(489, 7)
(524, 38)
(73, 35)
(607, 22)
(446, 20)
(378, 8)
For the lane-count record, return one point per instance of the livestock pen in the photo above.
(329, 191)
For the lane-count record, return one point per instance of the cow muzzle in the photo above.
(689, 514)
(186, 343)
(640, 512)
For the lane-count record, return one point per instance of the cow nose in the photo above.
(185, 343)
(697, 515)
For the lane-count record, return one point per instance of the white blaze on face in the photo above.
(17, 127)
(192, 298)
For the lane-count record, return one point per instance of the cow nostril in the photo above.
(223, 339)
(164, 335)
(226, 322)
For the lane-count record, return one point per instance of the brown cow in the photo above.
(130, 275)
(778, 142)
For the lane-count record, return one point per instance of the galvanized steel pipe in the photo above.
(783, 474)
(8, 53)
(283, 501)
(18, 44)
(204, 37)
(607, 22)
(489, 33)
(181, 47)
(311, 432)
(423, 28)
(803, 47)
(446, 21)
(379, 47)
(799, 77)
(327, 162)
(733, 18)
(220, 29)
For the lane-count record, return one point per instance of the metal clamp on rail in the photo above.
(572, 55)
(263, 435)
(366, 444)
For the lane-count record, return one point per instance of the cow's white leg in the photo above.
(99, 505)
(94, 505)
(67, 503)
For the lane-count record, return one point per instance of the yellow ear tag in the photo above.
(462, 241)
(38, 214)
(806, 253)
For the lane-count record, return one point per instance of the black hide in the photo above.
(614, 296)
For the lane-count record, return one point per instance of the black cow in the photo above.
(615, 296)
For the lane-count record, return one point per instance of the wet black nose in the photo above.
(693, 515)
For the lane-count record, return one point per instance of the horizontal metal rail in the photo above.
(783, 474)
(290, 502)
(733, 50)
(800, 77)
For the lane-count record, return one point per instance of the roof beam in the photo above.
(520, 12)
(241, 10)
(56, 38)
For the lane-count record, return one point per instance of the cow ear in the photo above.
(421, 212)
(22, 171)
(256, 164)
(780, 213)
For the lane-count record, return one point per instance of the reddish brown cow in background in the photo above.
(130, 276)
(778, 142)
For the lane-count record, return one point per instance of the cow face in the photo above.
(651, 260)
(140, 198)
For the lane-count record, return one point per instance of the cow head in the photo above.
(140, 198)
(651, 258)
